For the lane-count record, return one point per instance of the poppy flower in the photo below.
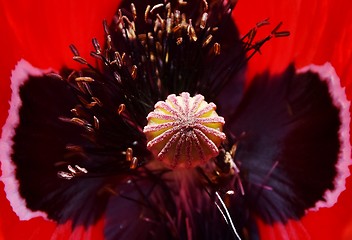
(90, 165)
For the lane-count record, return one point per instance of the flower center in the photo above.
(184, 131)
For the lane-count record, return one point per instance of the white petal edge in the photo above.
(337, 92)
(19, 76)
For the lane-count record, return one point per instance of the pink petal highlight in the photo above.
(19, 76)
(327, 73)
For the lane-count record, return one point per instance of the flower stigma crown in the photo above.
(184, 131)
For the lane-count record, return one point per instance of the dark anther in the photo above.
(74, 50)
(96, 45)
(80, 60)
(106, 27)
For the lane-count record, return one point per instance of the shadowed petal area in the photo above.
(163, 204)
(20, 76)
(292, 138)
(41, 142)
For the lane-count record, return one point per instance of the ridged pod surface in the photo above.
(184, 131)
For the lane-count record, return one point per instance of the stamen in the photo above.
(87, 87)
(72, 172)
(184, 131)
(203, 20)
(79, 121)
(156, 7)
(146, 13)
(134, 11)
(182, 3)
(121, 109)
(226, 214)
(134, 72)
(254, 47)
(179, 40)
(84, 79)
(96, 122)
(65, 175)
(191, 32)
(207, 40)
(74, 50)
(217, 49)
(80, 60)
(129, 154)
(130, 158)
(96, 45)
(134, 163)
(74, 111)
(97, 101)
(205, 5)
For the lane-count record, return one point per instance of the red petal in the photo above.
(291, 230)
(64, 231)
(335, 222)
(320, 31)
(12, 228)
(41, 31)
